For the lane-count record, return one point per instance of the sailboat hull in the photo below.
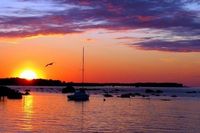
(79, 96)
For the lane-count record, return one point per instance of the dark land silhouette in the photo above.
(9, 93)
(50, 82)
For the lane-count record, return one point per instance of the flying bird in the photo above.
(49, 64)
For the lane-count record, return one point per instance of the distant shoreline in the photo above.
(50, 82)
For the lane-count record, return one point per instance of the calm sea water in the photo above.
(52, 112)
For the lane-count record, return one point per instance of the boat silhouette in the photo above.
(80, 95)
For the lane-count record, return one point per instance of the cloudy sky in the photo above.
(125, 40)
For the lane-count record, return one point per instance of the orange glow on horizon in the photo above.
(106, 60)
(28, 71)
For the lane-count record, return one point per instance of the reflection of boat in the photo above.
(80, 95)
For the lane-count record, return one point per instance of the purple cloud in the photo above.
(22, 18)
(175, 46)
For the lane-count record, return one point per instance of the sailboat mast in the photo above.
(83, 68)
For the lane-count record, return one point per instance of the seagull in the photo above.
(49, 64)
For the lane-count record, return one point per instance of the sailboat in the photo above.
(80, 95)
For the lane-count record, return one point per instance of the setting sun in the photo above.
(28, 74)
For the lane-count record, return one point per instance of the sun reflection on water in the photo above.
(28, 111)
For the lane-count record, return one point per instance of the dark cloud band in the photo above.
(175, 46)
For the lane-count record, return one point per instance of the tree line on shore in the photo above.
(50, 82)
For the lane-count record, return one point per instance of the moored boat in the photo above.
(79, 95)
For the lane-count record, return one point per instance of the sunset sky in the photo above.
(124, 40)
